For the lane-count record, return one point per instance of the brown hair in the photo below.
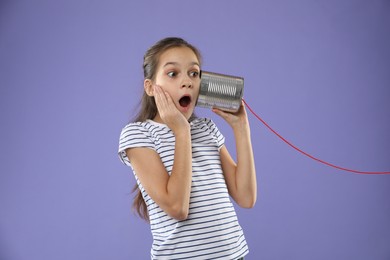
(148, 108)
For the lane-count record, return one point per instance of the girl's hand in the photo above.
(238, 120)
(168, 112)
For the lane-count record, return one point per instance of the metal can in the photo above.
(220, 91)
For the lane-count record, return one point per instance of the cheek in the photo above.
(172, 93)
(197, 88)
(161, 80)
(163, 84)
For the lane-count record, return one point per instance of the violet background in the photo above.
(70, 79)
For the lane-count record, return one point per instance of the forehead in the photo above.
(178, 55)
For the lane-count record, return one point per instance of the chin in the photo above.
(188, 113)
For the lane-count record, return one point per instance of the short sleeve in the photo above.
(133, 135)
(215, 133)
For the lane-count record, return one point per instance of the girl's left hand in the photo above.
(235, 120)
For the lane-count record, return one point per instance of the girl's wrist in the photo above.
(241, 127)
(183, 131)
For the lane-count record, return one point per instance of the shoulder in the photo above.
(147, 127)
(135, 127)
(146, 131)
(135, 133)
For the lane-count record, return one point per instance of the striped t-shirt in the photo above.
(211, 230)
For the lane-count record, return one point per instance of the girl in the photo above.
(183, 170)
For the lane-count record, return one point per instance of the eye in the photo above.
(194, 74)
(171, 74)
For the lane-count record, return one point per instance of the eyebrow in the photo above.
(176, 63)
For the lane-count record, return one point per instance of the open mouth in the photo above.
(185, 101)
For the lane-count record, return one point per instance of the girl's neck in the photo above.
(158, 119)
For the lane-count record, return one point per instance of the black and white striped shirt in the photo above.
(211, 230)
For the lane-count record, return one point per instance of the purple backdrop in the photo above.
(316, 71)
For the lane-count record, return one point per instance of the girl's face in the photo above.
(178, 73)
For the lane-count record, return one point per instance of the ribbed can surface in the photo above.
(220, 91)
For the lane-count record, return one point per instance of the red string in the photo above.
(306, 154)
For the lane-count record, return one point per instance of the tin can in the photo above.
(220, 91)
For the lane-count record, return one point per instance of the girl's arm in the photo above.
(241, 176)
(170, 192)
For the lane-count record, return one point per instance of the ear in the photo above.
(148, 86)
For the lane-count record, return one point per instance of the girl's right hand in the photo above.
(168, 112)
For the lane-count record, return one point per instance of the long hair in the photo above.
(148, 108)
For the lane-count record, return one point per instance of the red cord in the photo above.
(304, 153)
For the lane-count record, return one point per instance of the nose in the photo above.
(187, 83)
